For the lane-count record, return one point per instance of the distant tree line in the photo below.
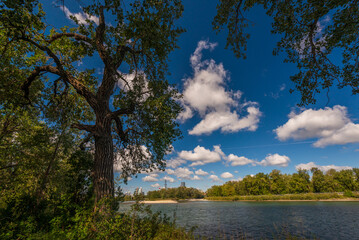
(175, 193)
(299, 182)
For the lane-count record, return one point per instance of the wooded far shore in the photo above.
(332, 197)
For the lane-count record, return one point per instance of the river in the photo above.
(266, 220)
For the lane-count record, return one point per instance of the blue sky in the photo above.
(241, 118)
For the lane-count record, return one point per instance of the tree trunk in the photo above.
(103, 169)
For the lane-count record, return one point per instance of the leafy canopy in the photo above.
(312, 34)
(40, 69)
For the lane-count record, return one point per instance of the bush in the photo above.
(139, 223)
(105, 222)
(349, 194)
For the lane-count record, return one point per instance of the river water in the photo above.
(266, 220)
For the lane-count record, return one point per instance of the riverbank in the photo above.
(293, 200)
(158, 201)
(289, 197)
(172, 201)
(306, 197)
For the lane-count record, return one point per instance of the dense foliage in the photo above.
(139, 223)
(59, 130)
(320, 37)
(300, 182)
(175, 193)
(128, 111)
(44, 175)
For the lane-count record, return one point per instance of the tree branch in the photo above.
(100, 35)
(77, 36)
(79, 87)
(85, 140)
(119, 129)
(123, 79)
(122, 112)
(311, 40)
(33, 75)
(122, 50)
(89, 128)
(108, 80)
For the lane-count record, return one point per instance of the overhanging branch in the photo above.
(33, 75)
(122, 111)
(88, 128)
(76, 36)
(119, 129)
(85, 140)
(79, 87)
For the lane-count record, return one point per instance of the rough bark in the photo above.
(103, 169)
(103, 166)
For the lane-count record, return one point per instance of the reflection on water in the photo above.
(324, 220)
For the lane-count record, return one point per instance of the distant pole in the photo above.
(165, 184)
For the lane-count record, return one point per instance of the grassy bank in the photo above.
(138, 223)
(291, 197)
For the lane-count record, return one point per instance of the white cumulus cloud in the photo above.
(201, 155)
(183, 173)
(150, 178)
(235, 160)
(347, 134)
(156, 185)
(168, 178)
(200, 172)
(195, 177)
(214, 178)
(226, 175)
(173, 163)
(227, 122)
(331, 126)
(197, 55)
(218, 107)
(310, 165)
(81, 17)
(275, 160)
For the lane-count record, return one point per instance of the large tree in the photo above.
(320, 37)
(129, 111)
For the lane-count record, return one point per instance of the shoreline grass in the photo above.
(290, 197)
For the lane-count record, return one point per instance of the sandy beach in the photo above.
(198, 200)
(159, 201)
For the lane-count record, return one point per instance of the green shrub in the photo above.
(139, 223)
(103, 223)
(349, 194)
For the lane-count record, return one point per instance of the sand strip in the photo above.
(159, 201)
